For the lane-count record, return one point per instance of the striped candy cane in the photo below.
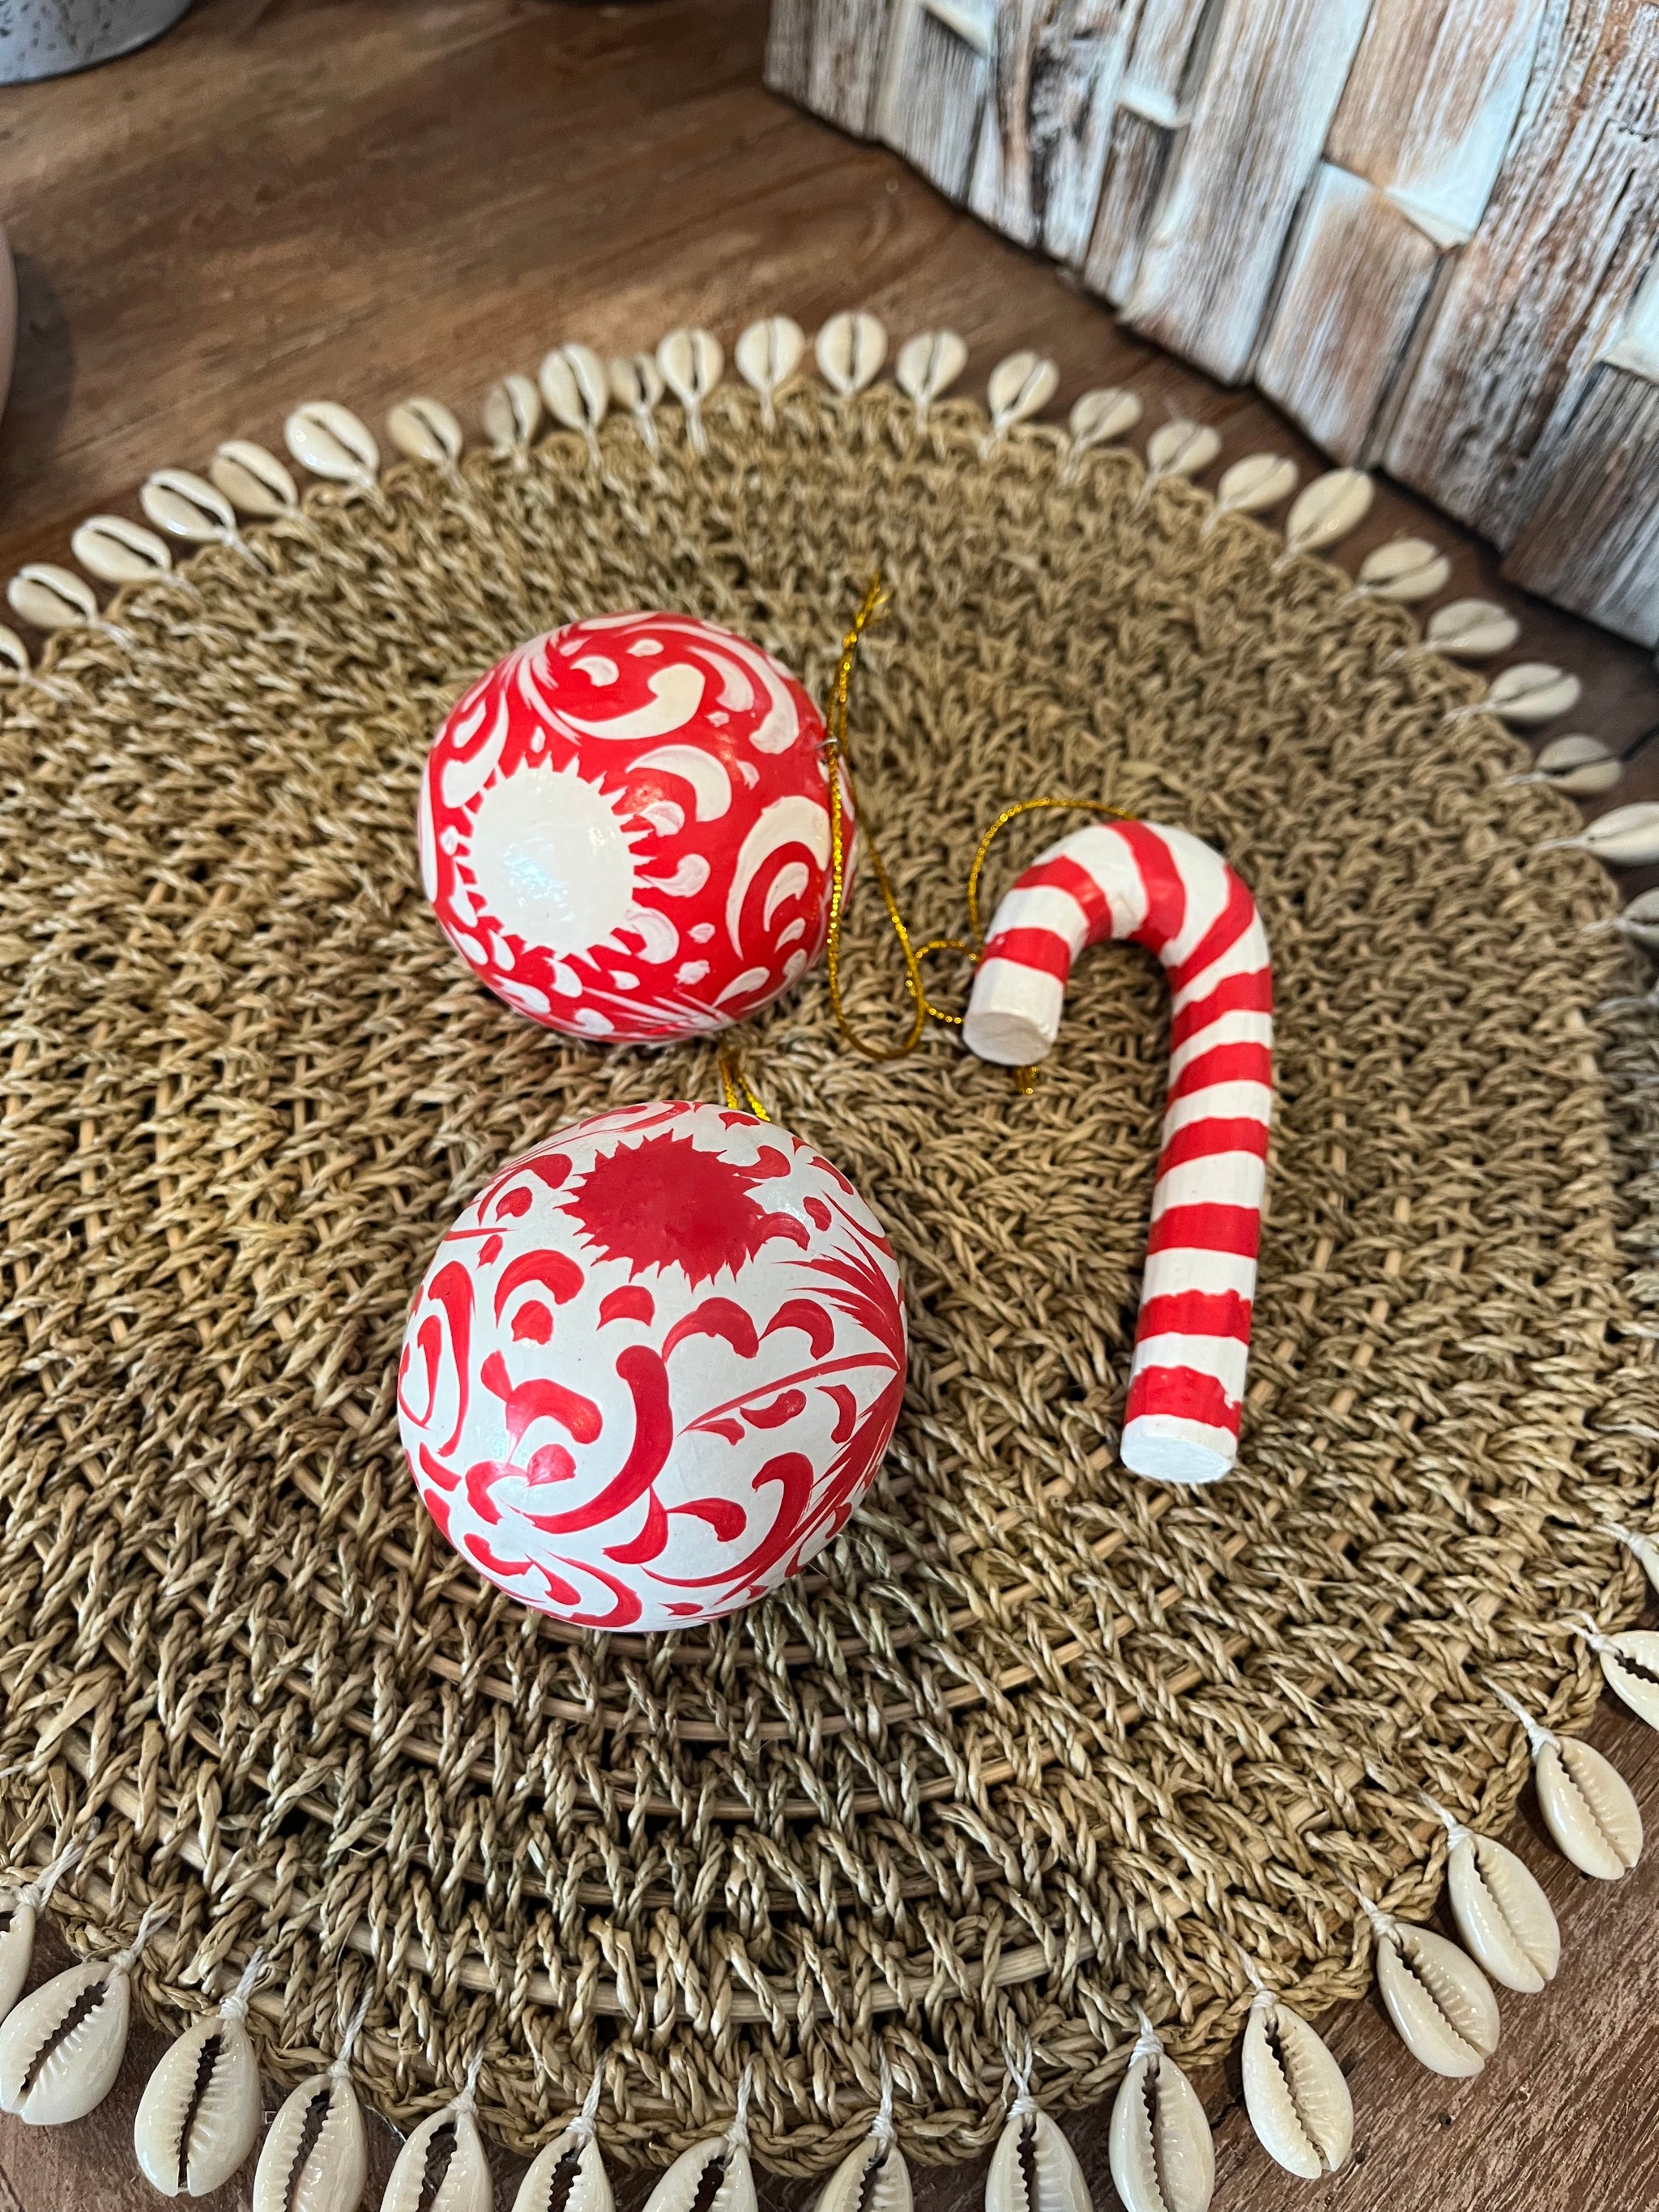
(1177, 896)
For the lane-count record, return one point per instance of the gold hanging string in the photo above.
(840, 765)
(734, 1085)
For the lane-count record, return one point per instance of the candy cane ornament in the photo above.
(1170, 891)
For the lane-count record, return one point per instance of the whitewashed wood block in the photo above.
(1524, 315)
(934, 80)
(1421, 228)
(1274, 78)
(1357, 277)
(1043, 139)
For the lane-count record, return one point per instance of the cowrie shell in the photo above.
(589, 2187)
(117, 551)
(51, 598)
(1294, 2092)
(1437, 1998)
(927, 365)
(871, 2177)
(850, 351)
(254, 481)
(691, 362)
(315, 2158)
(199, 2115)
(1406, 569)
(61, 2047)
(1099, 417)
(683, 2185)
(425, 430)
(1330, 508)
(443, 2166)
(574, 385)
(1587, 1807)
(1502, 1916)
(1162, 2153)
(1018, 388)
(768, 355)
(329, 440)
(1057, 2179)
(186, 505)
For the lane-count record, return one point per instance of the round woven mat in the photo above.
(1036, 1741)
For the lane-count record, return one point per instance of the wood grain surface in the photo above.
(359, 199)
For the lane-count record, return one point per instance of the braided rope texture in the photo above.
(1036, 1742)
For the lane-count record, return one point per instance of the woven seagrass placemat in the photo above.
(1036, 1741)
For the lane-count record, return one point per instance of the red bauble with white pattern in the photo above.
(624, 827)
(653, 1367)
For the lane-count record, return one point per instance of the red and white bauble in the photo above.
(624, 827)
(653, 1367)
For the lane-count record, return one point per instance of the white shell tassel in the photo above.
(117, 551)
(1502, 1916)
(512, 414)
(1630, 1663)
(254, 481)
(315, 2158)
(927, 365)
(577, 392)
(61, 2048)
(1251, 486)
(1438, 1998)
(874, 2176)
(691, 362)
(1018, 387)
(1530, 692)
(850, 351)
(1585, 1800)
(1179, 449)
(589, 2189)
(1328, 508)
(329, 440)
(443, 2166)
(1406, 569)
(1057, 2182)
(1163, 2155)
(1294, 2092)
(1639, 922)
(199, 2115)
(22, 1908)
(768, 355)
(188, 506)
(1578, 764)
(637, 384)
(53, 598)
(1471, 629)
(1099, 417)
(683, 2184)
(426, 430)
(1625, 836)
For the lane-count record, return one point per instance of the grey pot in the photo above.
(47, 37)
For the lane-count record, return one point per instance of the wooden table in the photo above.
(354, 199)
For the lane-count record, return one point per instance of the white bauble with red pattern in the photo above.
(653, 1367)
(624, 827)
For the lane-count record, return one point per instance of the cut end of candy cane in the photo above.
(1013, 1017)
(1171, 1450)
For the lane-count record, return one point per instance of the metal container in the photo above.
(48, 38)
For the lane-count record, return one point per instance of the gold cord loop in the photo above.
(738, 1094)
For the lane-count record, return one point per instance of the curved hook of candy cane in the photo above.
(1170, 891)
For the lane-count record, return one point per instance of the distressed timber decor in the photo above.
(1424, 228)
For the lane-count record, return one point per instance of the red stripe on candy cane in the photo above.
(1167, 890)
